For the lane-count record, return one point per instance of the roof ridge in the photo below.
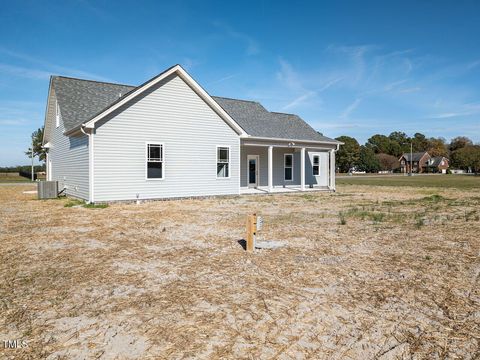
(282, 113)
(94, 81)
(228, 98)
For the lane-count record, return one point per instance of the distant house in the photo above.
(438, 164)
(169, 138)
(422, 162)
(417, 162)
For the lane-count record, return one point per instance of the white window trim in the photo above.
(313, 164)
(57, 114)
(229, 162)
(284, 166)
(146, 160)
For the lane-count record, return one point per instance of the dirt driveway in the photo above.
(367, 272)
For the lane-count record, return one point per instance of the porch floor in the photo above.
(280, 189)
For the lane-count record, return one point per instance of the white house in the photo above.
(169, 138)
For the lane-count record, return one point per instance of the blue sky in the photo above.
(348, 68)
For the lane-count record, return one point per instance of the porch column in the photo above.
(302, 169)
(332, 170)
(270, 168)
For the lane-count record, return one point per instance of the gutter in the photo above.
(75, 129)
(338, 143)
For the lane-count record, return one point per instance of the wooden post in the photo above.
(251, 232)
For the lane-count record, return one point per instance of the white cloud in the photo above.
(410, 90)
(463, 110)
(299, 100)
(13, 122)
(222, 79)
(330, 83)
(42, 69)
(350, 108)
(251, 45)
(24, 72)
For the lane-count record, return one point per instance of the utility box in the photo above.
(47, 189)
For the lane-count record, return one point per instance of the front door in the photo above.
(252, 170)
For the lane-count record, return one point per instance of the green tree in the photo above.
(378, 144)
(467, 158)
(420, 142)
(368, 161)
(381, 144)
(437, 147)
(38, 150)
(401, 139)
(348, 154)
(459, 142)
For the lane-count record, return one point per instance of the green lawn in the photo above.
(11, 178)
(444, 181)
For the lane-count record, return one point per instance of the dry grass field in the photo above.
(367, 272)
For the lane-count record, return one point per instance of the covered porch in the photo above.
(278, 165)
(276, 190)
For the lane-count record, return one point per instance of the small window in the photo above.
(316, 165)
(223, 162)
(288, 167)
(57, 114)
(155, 161)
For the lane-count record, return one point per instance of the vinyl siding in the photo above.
(278, 169)
(69, 157)
(322, 178)
(170, 113)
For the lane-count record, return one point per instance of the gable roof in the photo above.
(416, 156)
(259, 122)
(80, 100)
(437, 160)
(83, 102)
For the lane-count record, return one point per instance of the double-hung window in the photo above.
(155, 168)
(223, 162)
(288, 167)
(316, 165)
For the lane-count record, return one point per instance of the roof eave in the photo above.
(46, 109)
(74, 130)
(139, 90)
(333, 142)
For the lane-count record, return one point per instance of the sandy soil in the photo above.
(367, 272)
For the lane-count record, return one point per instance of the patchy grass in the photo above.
(434, 181)
(74, 202)
(95, 206)
(171, 279)
(80, 203)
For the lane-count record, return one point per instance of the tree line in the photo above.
(382, 152)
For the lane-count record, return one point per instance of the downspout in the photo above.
(90, 163)
(334, 185)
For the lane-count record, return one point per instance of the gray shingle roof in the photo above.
(416, 156)
(80, 100)
(436, 161)
(258, 121)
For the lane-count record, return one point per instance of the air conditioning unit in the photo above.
(47, 189)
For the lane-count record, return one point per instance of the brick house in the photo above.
(418, 161)
(438, 164)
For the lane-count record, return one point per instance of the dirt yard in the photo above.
(367, 272)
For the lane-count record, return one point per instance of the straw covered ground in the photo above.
(367, 272)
